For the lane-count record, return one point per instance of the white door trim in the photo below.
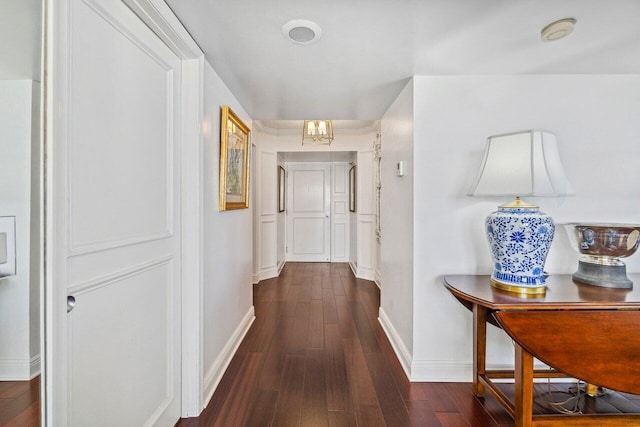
(159, 17)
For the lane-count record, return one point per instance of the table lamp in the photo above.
(519, 234)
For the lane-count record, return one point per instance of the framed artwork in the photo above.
(234, 161)
(352, 189)
(282, 188)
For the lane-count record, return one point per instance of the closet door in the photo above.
(115, 210)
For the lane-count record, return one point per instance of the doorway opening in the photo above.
(318, 225)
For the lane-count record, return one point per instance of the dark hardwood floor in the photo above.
(317, 356)
(20, 403)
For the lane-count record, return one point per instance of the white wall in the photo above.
(227, 246)
(19, 197)
(596, 121)
(396, 251)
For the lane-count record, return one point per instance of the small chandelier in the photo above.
(317, 132)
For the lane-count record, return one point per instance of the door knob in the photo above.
(71, 303)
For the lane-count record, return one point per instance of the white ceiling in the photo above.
(20, 32)
(370, 48)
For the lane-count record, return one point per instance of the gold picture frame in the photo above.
(234, 161)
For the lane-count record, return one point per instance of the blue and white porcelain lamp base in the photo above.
(519, 237)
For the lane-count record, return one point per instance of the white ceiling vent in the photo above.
(302, 32)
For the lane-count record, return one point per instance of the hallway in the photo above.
(317, 356)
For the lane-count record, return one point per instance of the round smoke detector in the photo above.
(302, 32)
(558, 29)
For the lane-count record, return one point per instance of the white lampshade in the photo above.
(522, 164)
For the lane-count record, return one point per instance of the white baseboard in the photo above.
(353, 268)
(219, 366)
(403, 354)
(255, 279)
(35, 366)
(462, 372)
(366, 274)
(281, 266)
(269, 273)
(19, 369)
(441, 371)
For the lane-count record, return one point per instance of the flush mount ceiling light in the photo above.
(558, 29)
(302, 32)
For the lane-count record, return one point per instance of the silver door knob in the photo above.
(71, 303)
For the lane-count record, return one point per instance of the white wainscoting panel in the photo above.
(366, 253)
(268, 229)
(140, 338)
(120, 181)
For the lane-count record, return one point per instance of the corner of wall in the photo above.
(403, 354)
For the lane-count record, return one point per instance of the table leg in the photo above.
(523, 388)
(479, 347)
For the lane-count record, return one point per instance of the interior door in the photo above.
(115, 201)
(308, 215)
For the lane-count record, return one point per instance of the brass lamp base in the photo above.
(520, 290)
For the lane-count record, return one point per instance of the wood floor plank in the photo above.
(392, 404)
(19, 397)
(452, 419)
(29, 417)
(297, 343)
(345, 319)
(365, 400)
(234, 409)
(262, 410)
(342, 419)
(467, 405)
(315, 337)
(314, 401)
(289, 404)
(338, 393)
(366, 335)
(270, 377)
(337, 287)
(329, 309)
(316, 288)
(421, 414)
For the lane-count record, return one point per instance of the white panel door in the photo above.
(308, 212)
(116, 157)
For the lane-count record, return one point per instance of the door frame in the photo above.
(157, 15)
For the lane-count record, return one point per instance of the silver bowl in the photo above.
(601, 246)
(604, 243)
